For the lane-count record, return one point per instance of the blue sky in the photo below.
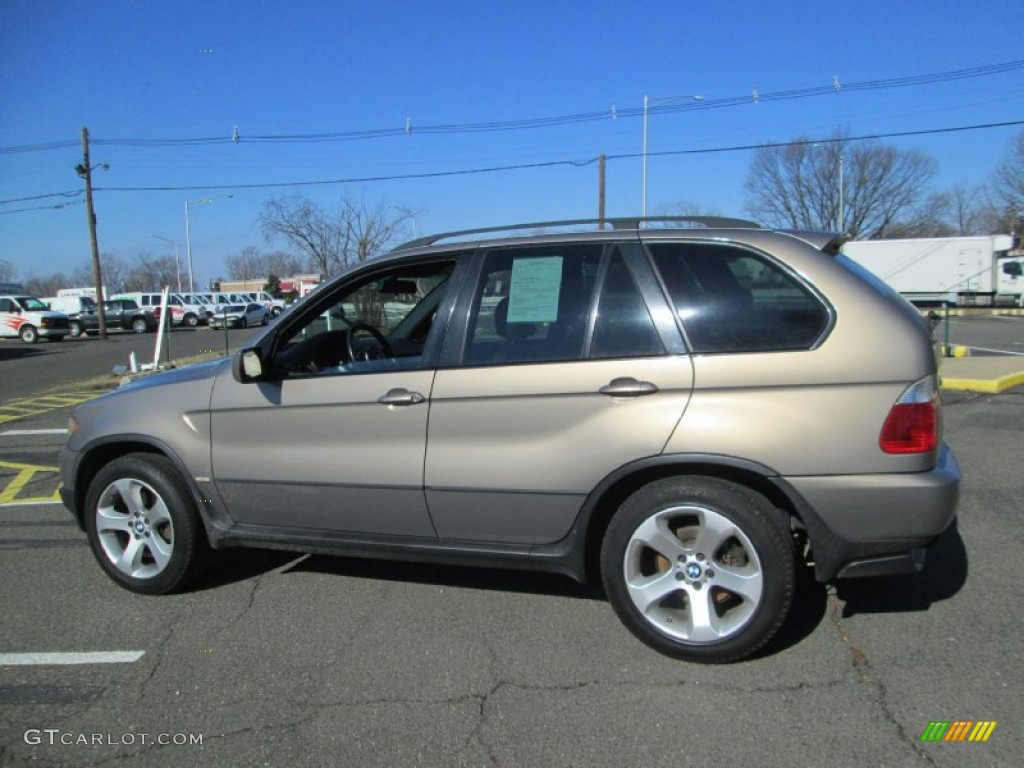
(146, 70)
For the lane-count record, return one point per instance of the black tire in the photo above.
(75, 329)
(718, 605)
(191, 320)
(141, 498)
(139, 325)
(242, 322)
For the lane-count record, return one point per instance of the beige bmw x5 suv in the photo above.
(688, 413)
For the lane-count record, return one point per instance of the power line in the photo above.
(564, 162)
(42, 207)
(72, 193)
(545, 122)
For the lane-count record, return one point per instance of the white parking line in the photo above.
(7, 432)
(30, 503)
(50, 659)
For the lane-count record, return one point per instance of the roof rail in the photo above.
(710, 222)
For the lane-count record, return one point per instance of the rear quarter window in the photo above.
(730, 299)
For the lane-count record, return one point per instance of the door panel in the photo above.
(322, 452)
(514, 450)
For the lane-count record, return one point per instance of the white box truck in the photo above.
(957, 271)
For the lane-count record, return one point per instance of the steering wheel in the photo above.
(367, 353)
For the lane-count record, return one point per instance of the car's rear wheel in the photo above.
(191, 320)
(29, 334)
(75, 329)
(139, 325)
(142, 525)
(699, 568)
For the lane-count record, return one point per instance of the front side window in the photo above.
(379, 323)
(30, 304)
(730, 299)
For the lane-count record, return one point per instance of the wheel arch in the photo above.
(98, 454)
(609, 495)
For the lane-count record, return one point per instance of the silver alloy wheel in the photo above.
(134, 528)
(693, 574)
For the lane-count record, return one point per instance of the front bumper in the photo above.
(873, 525)
(67, 461)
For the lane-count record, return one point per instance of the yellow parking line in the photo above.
(25, 474)
(23, 407)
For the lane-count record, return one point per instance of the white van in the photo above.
(27, 318)
(70, 305)
(276, 306)
(180, 313)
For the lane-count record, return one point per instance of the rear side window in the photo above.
(624, 327)
(730, 299)
(532, 304)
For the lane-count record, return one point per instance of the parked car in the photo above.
(29, 319)
(124, 314)
(240, 316)
(687, 414)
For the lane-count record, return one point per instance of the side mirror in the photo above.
(247, 366)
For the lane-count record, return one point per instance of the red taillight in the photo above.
(914, 424)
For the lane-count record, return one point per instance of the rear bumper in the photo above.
(873, 525)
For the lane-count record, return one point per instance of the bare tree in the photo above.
(151, 273)
(809, 185)
(336, 237)
(1008, 186)
(251, 263)
(115, 274)
(686, 207)
(7, 272)
(44, 285)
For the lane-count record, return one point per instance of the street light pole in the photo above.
(188, 249)
(188, 237)
(648, 103)
(842, 212)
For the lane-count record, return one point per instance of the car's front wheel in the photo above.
(142, 525)
(139, 325)
(75, 329)
(699, 568)
(191, 320)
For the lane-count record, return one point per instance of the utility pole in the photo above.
(85, 171)
(600, 191)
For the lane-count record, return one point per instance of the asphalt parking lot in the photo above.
(307, 660)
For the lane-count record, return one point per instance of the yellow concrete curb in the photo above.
(989, 386)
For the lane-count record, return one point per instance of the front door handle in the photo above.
(627, 386)
(401, 396)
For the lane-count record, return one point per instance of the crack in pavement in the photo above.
(865, 674)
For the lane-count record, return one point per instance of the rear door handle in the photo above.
(401, 396)
(627, 386)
